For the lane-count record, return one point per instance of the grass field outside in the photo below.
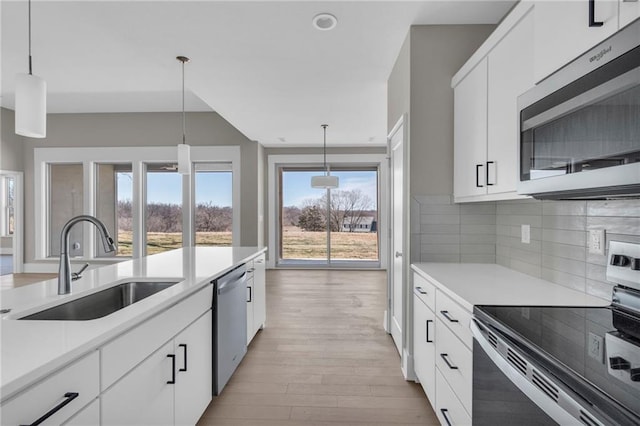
(158, 242)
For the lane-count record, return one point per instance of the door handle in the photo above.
(592, 15)
(250, 294)
(478, 177)
(69, 396)
(398, 254)
(173, 369)
(427, 336)
(487, 181)
(184, 349)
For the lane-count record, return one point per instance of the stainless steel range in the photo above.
(562, 365)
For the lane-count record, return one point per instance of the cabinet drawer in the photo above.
(448, 408)
(455, 317)
(126, 351)
(425, 291)
(81, 377)
(455, 362)
(90, 415)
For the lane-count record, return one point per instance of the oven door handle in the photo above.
(550, 407)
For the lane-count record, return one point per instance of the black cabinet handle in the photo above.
(592, 15)
(421, 290)
(184, 349)
(250, 295)
(487, 181)
(69, 396)
(447, 316)
(173, 369)
(477, 176)
(427, 336)
(451, 366)
(444, 412)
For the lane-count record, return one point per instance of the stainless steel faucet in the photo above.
(64, 272)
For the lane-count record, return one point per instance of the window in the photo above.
(213, 204)
(136, 191)
(66, 200)
(114, 194)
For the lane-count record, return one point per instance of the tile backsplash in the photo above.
(491, 233)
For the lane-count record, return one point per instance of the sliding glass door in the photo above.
(337, 227)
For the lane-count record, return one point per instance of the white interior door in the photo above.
(396, 263)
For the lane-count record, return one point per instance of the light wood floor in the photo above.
(323, 359)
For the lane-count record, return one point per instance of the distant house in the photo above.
(363, 224)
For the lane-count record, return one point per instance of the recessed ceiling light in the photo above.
(325, 21)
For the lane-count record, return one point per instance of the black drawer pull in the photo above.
(444, 412)
(592, 15)
(451, 366)
(447, 316)
(427, 336)
(70, 396)
(421, 290)
(184, 349)
(173, 369)
(477, 177)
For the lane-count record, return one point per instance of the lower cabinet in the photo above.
(256, 296)
(424, 348)
(174, 383)
(449, 409)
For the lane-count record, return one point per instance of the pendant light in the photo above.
(324, 181)
(31, 101)
(184, 150)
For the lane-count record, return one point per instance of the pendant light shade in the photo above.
(31, 106)
(184, 150)
(31, 101)
(324, 181)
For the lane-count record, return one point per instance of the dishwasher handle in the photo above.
(227, 282)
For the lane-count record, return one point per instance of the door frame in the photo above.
(275, 162)
(18, 214)
(406, 358)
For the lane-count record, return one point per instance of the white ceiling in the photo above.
(259, 64)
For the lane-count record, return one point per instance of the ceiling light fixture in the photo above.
(325, 21)
(184, 150)
(31, 101)
(324, 181)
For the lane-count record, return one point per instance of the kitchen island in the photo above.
(32, 351)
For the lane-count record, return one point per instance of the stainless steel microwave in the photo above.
(580, 127)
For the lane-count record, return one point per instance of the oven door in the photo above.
(509, 389)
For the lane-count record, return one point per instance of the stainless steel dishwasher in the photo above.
(229, 325)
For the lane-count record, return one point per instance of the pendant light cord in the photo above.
(324, 149)
(184, 126)
(30, 66)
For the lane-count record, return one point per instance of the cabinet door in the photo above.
(562, 31)
(194, 370)
(629, 12)
(424, 347)
(470, 132)
(250, 309)
(510, 75)
(259, 293)
(143, 397)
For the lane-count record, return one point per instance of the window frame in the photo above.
(138, 157)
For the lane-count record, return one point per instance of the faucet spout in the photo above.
(64, 271)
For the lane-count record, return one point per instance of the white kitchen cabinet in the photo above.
(562, 31)
(449, 409)
(424, 348)
(194, 375)
(455, 362)
(69, 390)
(486, 132)
(144, 396)
(256, 296)
(629, 11)
(470, 133)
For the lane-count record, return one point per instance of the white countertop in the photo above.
(472, 284)
(30, 349)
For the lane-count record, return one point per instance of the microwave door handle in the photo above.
(592, 15)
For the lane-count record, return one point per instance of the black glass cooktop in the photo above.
(593, 348)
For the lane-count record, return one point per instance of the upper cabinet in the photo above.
(629, 12)
(563, 30)
(486, 114)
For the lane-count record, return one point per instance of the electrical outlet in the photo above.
(525, 313)
(596, 241)
(596, 347)
(525, 231)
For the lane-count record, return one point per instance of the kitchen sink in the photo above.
(102, 303)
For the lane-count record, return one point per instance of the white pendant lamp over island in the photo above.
(324, 181)
(31, 101)
(184, 150)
